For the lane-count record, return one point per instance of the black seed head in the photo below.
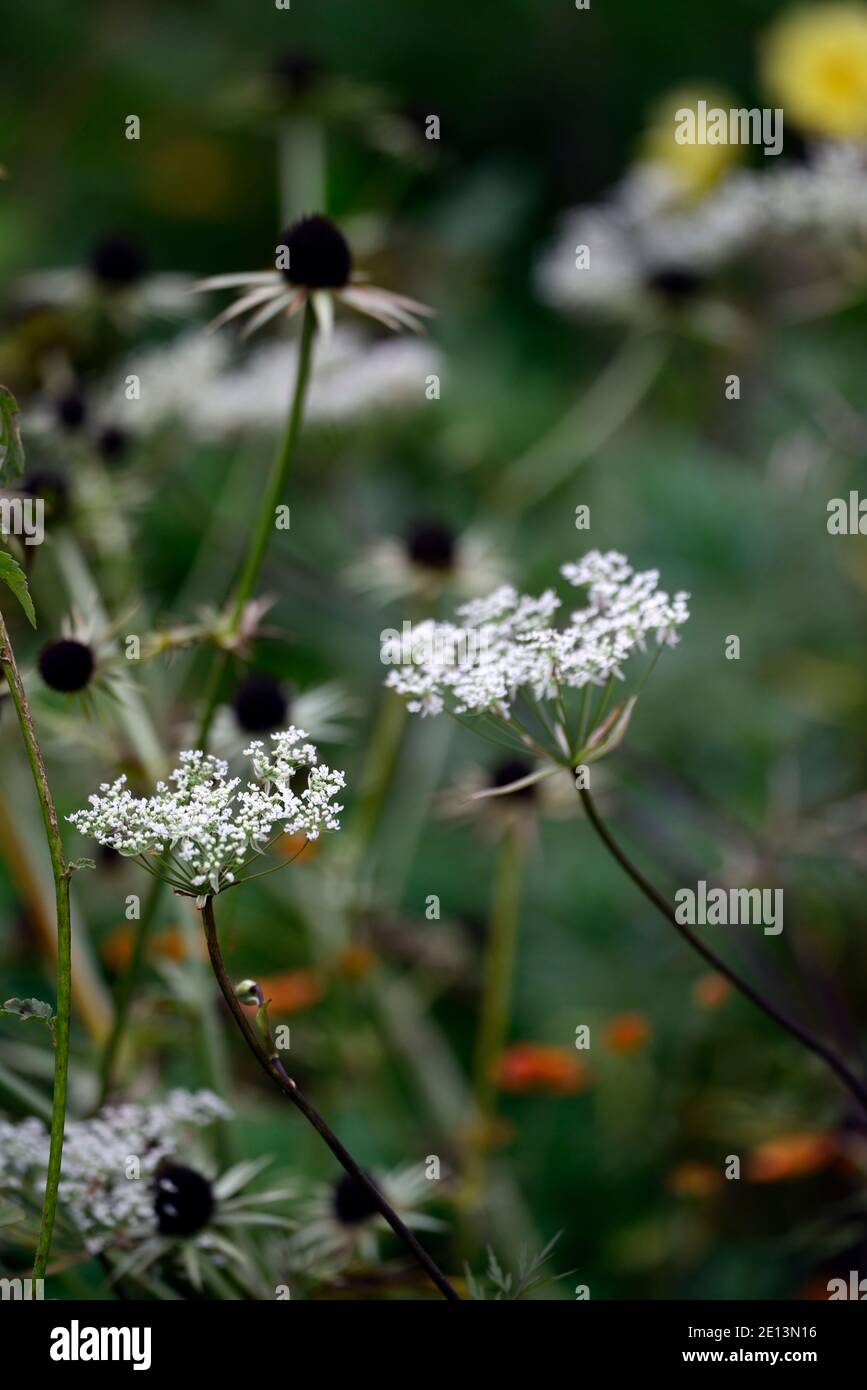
(71, 411)
(183, 1200)
(66, 665)
(260, 705)
(676, 285)
(512, 770)
(353, 1203)
(319, 254)
(296, 73)
(112, 443)
(53, 489)
(431, 545)
(117, 262)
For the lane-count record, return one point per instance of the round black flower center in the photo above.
(183, 1201)
(117, 262)
(52, 489)
(66, 665)
(319, 255)
(296, 73)
(353, 1204)
(512, 770)
(675, 284)
(71, 411)
(431, 544)
(260, 705)
(112, 443)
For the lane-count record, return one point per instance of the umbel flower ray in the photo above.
(202, 832)
(510, 669)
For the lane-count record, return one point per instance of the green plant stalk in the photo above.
(274, 1068)
(496, 989)
(274, 490)
(856, 1088)
(126, 991)
(60, 872)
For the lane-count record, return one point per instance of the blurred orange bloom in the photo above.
(292, 847)
(116, 949)
(627, 1032)
(527, 1067)
(356, 961)
(791, 1156)
(693, 1179)
(709, 991)
(291, 991)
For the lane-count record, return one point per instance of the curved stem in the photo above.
(273, 1067)
(855, 1087)
(274, 490)
(60, 873)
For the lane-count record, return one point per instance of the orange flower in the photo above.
(525, 1067)
(791, 1156)
(627, 1033)
(293, 847)
(709, 991)
(291, 991)
(356, 961)
(692, 1179)
(116, 949)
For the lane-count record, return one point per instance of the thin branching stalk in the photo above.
(856, 1088)
(274, 1068)
(274, 491)
(60, 872)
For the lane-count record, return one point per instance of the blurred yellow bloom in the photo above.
(694, 168)
(791, 1156)
(815, 65)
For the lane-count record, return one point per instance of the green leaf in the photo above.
(11, 448)
(12, 575)
(74, 865)
(29, 1008)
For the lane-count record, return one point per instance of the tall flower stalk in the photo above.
(61, 873)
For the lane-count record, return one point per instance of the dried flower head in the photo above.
(207, 827)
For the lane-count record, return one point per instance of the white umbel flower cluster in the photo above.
(109, 1162)
(508, 642)
(208, 825)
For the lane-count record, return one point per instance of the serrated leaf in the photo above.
(12, 575)
(77, 864)
(11, 448)
(26, 1009)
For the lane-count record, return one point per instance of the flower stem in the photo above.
(496, 990)
(273, 1067)
(855, 1087)
(126, 991)
(60, 872)
(274, 490)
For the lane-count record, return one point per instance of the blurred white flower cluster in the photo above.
(647, 245)
(508, 643)
(208, 826)
(109, 1162)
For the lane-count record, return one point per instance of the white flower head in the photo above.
(208, 827)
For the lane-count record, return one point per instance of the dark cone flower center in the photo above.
(318, 254)
(353, 1203)
(112, 443)
(183, 1201)
(260, 705)
(117, 262)
(512, 770)
(676, 284)
(296, 73)
(66, 665)
(430, 544)
(71, 411)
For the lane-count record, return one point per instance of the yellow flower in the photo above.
(694, 168)
(815, 66)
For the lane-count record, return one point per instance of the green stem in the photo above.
(856, 1088)
(126, 991)
(274, 490)
(60, 873)
(496, 985)
(274, 1068)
